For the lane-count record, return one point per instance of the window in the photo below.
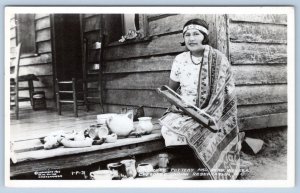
(130, 22)
(26, 33)
(125, 27)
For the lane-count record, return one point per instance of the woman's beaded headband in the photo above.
(198, 27)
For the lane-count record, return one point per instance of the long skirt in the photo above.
(217, 151)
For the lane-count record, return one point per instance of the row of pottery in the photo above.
(122, 124)
(122, 170)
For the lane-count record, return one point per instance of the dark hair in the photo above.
(198, 22)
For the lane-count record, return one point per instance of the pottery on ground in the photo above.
(144, 169)
(101, 175)
(130, 168)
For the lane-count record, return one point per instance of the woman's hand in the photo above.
(173, 85)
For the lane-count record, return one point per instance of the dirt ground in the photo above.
(271, 162)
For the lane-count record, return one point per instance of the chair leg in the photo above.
(85, 97)
(31, 90)
(17, 102)
(58, 105)
(74, 97)
(17, 108)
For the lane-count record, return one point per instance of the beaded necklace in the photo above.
(196, 57)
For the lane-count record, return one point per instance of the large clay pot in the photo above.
(121, 124)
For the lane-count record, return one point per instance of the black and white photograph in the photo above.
(163, 96)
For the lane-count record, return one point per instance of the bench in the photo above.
(29, 156)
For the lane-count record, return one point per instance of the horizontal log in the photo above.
(260, 18)
(43, 69)
(171, 23)
(42, 23)
(44, 81)
(92, 23)
(243, 53)
(151, 17)
(160, 45)
(48, 92)
(44, 46)
(262, 109)
(158, 63)
(261, 33)
(259, 74)
(265, 121)
(246, 95)
(261, 94)
(150, 80)
(41, 59)
(38, 16)
(43, 35)
(147, 98)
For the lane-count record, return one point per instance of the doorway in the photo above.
(67, 46)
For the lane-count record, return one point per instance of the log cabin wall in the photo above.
(256, 47)
(258, 54)
(39, 63)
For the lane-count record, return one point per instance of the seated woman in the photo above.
(203, 77)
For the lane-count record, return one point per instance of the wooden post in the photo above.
(222, 34)
(100, 77)
(58, 105)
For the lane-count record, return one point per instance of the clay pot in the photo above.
(145, 125)
(130, 168)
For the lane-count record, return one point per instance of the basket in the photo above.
(39, 100)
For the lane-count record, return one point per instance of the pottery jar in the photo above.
(118, 169)
(144, 169)
(145, 124)
(130, 168)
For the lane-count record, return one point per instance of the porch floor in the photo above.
(35, 124)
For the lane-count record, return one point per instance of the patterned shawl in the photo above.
(218, 150)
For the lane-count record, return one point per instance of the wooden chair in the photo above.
(68, 93)
(15, 79)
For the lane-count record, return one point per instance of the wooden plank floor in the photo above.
(36, 124)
